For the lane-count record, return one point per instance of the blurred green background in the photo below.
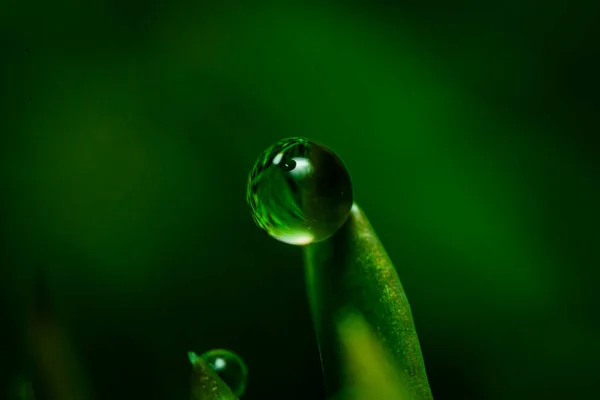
(129, 128)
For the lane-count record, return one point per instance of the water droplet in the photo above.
(230, 367)
(299, 191)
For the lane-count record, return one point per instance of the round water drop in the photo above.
(230, 368)
(299, 191)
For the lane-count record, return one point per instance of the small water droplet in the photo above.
(230, 367)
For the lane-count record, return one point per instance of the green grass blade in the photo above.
(351, 282)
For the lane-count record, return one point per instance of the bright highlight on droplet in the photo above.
(299, 239)
(277, 159)
(220, 364)
(299, 192)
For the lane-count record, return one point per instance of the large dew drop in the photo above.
(299, 192)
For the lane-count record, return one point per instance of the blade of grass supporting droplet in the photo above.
(348, 275)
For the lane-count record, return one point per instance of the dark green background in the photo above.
(129, 128)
